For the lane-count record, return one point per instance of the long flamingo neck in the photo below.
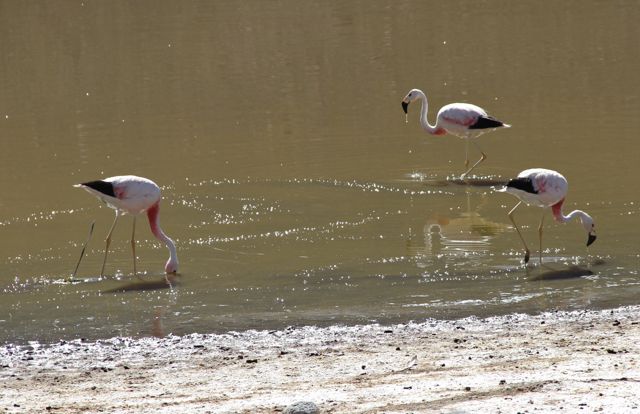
(153, 214)
(432, 129)
(560, 217)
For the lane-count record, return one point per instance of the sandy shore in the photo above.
(569, 362)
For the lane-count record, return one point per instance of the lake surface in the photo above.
(294, 189)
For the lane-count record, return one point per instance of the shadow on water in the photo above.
(470, 182)
(166, 282)
(571, 272)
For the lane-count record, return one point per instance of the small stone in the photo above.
(302, 407)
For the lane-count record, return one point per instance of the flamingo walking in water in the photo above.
(128, 194)
(545, 188)
(460, 119)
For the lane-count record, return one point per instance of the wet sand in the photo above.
(561, 361)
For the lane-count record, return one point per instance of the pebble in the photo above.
(302, 407)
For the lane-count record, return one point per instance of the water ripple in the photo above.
(353, 184)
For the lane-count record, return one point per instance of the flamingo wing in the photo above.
(135, 194)
(461, 115)
(486, 122)
(523, 184)
(100, 187)
(538, 186)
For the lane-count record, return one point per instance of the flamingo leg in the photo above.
(466, 154)
(526, 249)
(482, 158)
(84, 247)
(540, 235)
(133, 246)
(108, 242)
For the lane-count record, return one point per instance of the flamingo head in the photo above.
(589, 227)
(171, 267)
(410, 97)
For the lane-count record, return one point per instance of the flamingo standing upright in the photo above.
(128, 194)
(545, 188)
(460, 119)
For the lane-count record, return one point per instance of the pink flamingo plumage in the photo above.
(460, 119)
(545, 188)
(128, 194)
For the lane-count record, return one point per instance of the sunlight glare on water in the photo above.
(292, 187)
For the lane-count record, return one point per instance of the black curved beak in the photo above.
(591, 239)
(405, 105)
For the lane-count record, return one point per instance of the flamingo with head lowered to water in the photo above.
(128, 194)
(460, 119)
(545, 188)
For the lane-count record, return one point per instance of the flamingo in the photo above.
(545, 188)
(129, 194)
(460, 119)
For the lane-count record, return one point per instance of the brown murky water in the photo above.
(293, 187)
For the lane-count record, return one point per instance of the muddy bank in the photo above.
(574, 362)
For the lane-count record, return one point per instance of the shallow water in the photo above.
(294, 189)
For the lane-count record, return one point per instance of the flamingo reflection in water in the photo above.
(458, 236)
